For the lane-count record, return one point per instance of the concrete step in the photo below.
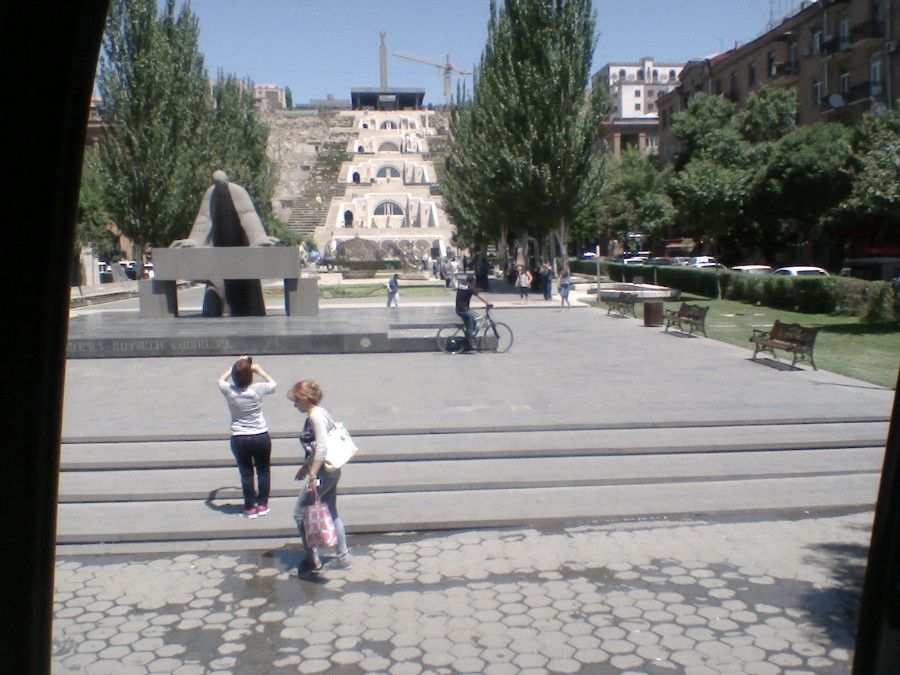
(208, 521)
(169, 490)
(394, 445)
(222, 483)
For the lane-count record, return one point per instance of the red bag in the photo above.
(318, 525)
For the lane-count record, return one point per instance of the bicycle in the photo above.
(490, 335)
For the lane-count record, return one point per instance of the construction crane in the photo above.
(447, 67)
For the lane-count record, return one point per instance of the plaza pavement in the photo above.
(764, 591)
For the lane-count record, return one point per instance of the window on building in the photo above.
(844, 31)
(751, 73)
(640, 74)
(651, 107)
(672, 74)
(844, 81)
(770, 63)
(652, 141)
(793, 52)
(817, 93)
(733, 91)
(637, 93)
(875, 74)
(816, 45)
(656, 76)
(622, 73)
(717, 87)
(637, 106)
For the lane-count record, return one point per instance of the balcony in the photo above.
(836, 47)
(867, 34)
(785, 72)
(865, 90)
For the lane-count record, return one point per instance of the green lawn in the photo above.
(845, 345)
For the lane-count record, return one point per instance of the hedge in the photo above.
(875, 301)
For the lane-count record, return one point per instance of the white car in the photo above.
(801, 271)
(753, 269)
(702, 261)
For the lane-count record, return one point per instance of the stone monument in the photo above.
(228, 218)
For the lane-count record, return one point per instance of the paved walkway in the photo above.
(698, 598)
(763, 594)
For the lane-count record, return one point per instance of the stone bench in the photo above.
(158, 296)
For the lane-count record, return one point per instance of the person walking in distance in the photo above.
(463, 298)
(393, 289)
(307, 395)
(524, 281)
(563, 286)
(250, 442)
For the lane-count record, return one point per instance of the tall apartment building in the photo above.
(634, 89)
(840, 55)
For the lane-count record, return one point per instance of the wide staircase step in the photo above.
(187, 490)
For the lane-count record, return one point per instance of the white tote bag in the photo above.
(340, 447)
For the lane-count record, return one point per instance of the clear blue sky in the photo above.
(320, 47)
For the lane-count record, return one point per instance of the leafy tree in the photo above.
(155, 104)
(237, 141)
(288, 98)
(166, 129)
(634, 198)
(696, 126)
(807, 174)
(768, 114)
(522, 157)
(874, 198)
(93, 227)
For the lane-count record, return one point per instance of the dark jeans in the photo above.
(253, 452)
(468, 318)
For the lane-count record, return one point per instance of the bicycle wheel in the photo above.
(451, 339)
(497, 337)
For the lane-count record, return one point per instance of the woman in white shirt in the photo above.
(250, 442)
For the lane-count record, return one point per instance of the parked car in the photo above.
(753, 269)
(698, 261)
(801, 271)
(589, 255)
(710, 266)
(635, 260)
(660, 261)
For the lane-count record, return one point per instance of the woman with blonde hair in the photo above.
(307, 395)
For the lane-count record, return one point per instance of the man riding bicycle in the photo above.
(463, 297)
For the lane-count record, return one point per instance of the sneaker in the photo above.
(262, 510)
(309, 566)
(342, 563)
(250, 513)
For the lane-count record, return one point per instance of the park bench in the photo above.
(622, 303)
(790, 337)
(693, 316)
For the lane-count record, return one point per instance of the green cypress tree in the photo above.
(523, 159)
(156, 106)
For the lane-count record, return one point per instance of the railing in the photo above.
(869, 30)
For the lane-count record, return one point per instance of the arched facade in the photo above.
(387, 210)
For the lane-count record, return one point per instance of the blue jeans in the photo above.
(327, 494)
(253, 452)
(468, 318)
